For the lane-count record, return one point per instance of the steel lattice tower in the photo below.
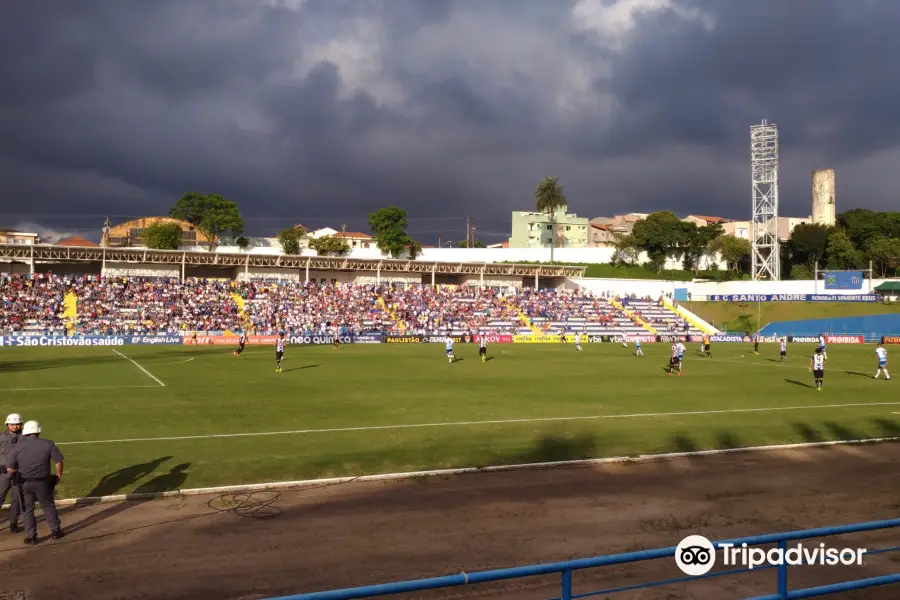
(765, 255)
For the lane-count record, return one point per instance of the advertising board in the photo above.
(746, 298)
(844, 339)
(544, 339)
(495, 339)
(230, 340)
(843, 280)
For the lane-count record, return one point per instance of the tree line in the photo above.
(859, 237)
(218, 218)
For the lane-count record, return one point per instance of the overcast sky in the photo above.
(321, 111)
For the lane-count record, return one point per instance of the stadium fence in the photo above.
(566, 570)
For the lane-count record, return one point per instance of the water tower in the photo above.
(823, 197)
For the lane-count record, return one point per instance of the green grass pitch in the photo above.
(378, 408)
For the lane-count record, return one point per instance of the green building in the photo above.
(534, 230)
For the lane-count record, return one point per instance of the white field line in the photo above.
(178, 362)
(87, 387)
(306, 483)
(473, 423)
(146, 372)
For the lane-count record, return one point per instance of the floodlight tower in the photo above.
(765, 255)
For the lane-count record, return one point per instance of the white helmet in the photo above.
(31, 427)
(13, 419)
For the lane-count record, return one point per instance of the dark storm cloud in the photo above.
(325, 110)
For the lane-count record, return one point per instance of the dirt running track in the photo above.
(356, 534)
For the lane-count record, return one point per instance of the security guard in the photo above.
(8, 439)
(29, 462)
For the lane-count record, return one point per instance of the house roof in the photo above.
(711, 219)
(77, 241)
(353, 234)
(598, 226)
(8, 230)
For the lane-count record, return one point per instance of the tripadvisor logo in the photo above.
(695, 556)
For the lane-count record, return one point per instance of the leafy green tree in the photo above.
(863, 226)
(695, 243)
(885, 253)
(475, 244)
(658, 235)
(330, 245)
(801, 273)
(549, 197)
(841, 252)
(627, 250)
(388, 226)
(290, 239)
(809, 243)
(734, 251)
(414, 249)
(242, 243)
(211, 214)
(163, 236)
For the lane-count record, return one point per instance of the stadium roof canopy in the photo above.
(63, 254)
(889, 286)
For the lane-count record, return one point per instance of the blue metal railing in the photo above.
(566, 569)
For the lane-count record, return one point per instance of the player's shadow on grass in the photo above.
(886, 427)
(169, 482)
(806, 432)
(304, 367)
(553, 448)
(799, 383)
(858, 374)
(124, 478)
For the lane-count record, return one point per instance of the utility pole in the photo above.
(470, 232)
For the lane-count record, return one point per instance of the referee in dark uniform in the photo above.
(29, 463)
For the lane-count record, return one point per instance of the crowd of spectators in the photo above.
(134, 305)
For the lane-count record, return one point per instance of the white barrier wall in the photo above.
(493, 255)
(699, 291)
(112, 269)
(640, 287)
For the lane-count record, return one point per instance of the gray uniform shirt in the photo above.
(8, 440)
(31, 457)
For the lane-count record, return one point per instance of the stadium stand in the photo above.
(34, 304)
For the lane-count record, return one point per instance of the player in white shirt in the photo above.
(578, 341)
(881, 353)
(817, 367)
(637, 347)
(624, 339)
(782, 346)
(482, 348)
(677, 358)
(821, 347)
(448, 346)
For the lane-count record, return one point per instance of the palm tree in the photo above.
(549, 198)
